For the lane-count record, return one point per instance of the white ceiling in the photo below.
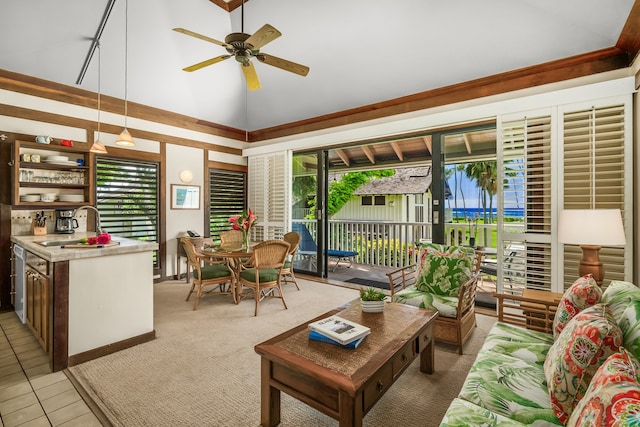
(360, 51)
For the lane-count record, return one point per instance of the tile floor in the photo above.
(30, 394)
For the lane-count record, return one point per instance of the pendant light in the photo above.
(98, 147)
(125, 139)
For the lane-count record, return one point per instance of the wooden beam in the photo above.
(428, 143)
(369, 154)
(467, 142)
(343, 156)
(397, 150)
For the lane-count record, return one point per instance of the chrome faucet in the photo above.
(98, 228)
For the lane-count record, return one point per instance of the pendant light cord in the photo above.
(99, 79)
(126, 57)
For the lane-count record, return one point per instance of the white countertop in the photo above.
(58, 253)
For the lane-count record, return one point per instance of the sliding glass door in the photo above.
(308, 212)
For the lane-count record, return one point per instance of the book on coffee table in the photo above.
(338, 329)
(315, 336)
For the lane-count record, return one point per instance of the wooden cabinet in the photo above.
(61, 173)
(37, 298)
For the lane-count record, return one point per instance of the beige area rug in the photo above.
(202, 369)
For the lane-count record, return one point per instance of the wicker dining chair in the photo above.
(293, 239)
(262, 272)
(231, 238)
(207, 272)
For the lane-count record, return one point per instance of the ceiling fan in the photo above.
(243, 47)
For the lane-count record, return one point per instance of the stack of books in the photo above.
(338, 331)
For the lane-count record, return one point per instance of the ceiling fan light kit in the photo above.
(243, 47)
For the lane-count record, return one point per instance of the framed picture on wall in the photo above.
(185, 196)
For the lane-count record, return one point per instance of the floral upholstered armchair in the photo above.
(444, 280)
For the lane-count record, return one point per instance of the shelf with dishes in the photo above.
(48, 174)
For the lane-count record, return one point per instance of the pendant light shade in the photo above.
(98, 147)
(125, 139)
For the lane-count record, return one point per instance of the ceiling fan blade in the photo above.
(250, 75)
(206, 63)
(201, 37)
(283, 64)
(263, 36)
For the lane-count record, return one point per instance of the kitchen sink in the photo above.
(58, 242)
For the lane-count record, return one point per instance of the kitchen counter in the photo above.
(99, 300)
(58, 253)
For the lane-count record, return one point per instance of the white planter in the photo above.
(372, 306)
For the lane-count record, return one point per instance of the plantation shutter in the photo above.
(595, 177)
(524, 253)
(227, 197)
(268, 194)
(127, 198)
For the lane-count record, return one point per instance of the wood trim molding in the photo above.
(551, 72)
(76, 359)
(227, 166)
(41, 116)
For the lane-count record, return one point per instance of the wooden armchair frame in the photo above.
(449, 330)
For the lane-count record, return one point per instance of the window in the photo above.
(227, 197)
(127, 197)
(374, 200)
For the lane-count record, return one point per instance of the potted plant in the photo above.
(372, 300)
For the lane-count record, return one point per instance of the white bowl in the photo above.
(58, 158)
(48, 197)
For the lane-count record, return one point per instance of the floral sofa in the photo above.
(445, 280)
(583, 374)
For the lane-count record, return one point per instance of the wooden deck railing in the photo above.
(393, 244)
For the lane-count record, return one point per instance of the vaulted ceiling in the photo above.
(366, 58)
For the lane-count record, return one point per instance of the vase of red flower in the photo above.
(244, 222)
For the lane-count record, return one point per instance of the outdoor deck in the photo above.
(376, 276)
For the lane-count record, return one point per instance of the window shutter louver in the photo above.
(227, 194)
(595, 177)
(525, 172)
(127, 198)
(269, 194)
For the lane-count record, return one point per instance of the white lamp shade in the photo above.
(186, 176)
(597, 227)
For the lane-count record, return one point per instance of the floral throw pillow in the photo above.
(582, 346)
(443, 274)
(584, 293)
(613, 398)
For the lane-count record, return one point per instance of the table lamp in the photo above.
(591, 229)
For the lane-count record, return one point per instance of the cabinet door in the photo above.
(38, 306)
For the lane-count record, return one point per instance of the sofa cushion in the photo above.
(510, 387)
(613, 397)
(445, 305)
(443, 274)
(618, 295)
(629, 323)
(530, 346)
(584, 293)
(585, 342)
(464, 414)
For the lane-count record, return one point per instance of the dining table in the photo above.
(234, 255)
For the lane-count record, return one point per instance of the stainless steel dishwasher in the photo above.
(20, 256)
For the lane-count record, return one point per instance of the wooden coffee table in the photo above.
(345, 383)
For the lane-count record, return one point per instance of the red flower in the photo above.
(103, 239)
(92, 241)
(244, 221)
